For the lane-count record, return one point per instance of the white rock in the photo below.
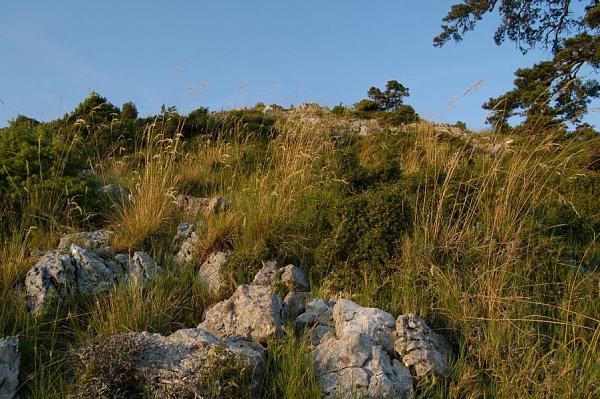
(374, 323)
(352, 367)
(174, 363)
(53, 276)
(9, 367)
(293, 278)
(210, 271)
(419, 348)
(252, 312)
(267, 276)
(94, 240)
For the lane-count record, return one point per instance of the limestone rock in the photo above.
(84, 270)
(9, 367)
(420, 348)
(252, 312)
(210, 271)
(93, 274)
(317, 320)
(374, 323)
(53, 276)
(140, 268)
(294, 304)
(267, 276)
(293, 278)
(98, 241)
(318, 311)
(352, 367)
(185, 363)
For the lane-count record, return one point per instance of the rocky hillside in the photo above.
(273, 253)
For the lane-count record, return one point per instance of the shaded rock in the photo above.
(98, 241)
(294, 304)
(53, 276)
(140, 268)
(86, 271)
(252, 312)
(419, 348)
(195, 363)
(193, 206)
(317, 320)
(293, 278)
(210, 271)
(375, 324)
(93, 274)
(318, 311)
(9, 367)
(352, 367)
(267, 276)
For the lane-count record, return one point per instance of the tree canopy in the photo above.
(555, 89)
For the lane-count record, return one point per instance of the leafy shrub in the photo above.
(32, 162)
(365, 230)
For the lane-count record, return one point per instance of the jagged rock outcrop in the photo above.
(84, 264)
(421, 349)
(267, 275)
(351, 366)
(98, 241)
(317, 320)
(193, 206)
(210, 271)
(375, 324)
(10, 359)
(294, 304)
(293, 278)
(190, 363)
(252, 312)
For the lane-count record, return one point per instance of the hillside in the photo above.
(429, 260)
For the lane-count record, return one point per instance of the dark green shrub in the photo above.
(34, 164)
(365, 231)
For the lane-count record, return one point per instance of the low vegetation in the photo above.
(498, 250)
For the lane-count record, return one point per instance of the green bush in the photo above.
(35, 164)
(365, 231)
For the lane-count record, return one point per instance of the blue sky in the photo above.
(225, 54)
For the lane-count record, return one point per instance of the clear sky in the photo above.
(224, 54)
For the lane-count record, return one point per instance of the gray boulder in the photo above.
(210, 271)
(419, 348)
(267, 276)
(9, 367)
(188, 363)
(373, 323)
(252, 312)
(93, 274)
(293, 278)
(53, 276)
(317, 320)
(98, 241)
(85, 270)
(294, 304)
(352, 367)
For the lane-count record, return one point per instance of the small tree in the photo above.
(129, 111)
(390, 99)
